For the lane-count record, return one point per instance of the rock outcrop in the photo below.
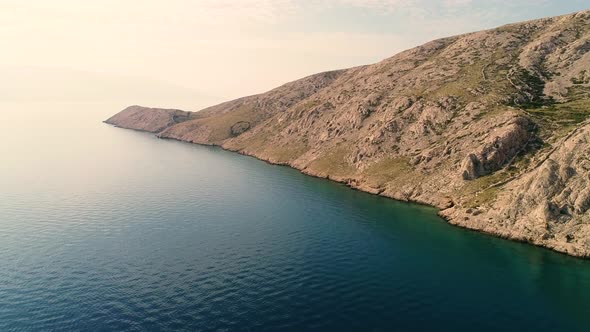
(490, 127)
(499, 149)
(239, 127)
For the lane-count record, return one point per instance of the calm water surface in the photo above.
(110, 229)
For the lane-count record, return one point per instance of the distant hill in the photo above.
(62, 84)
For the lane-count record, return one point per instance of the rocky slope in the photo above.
(491, 127)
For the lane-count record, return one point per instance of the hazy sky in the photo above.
(232, 48)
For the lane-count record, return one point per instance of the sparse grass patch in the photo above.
(490, 112)
(258, 142)
(564, 114)
(388, 170)
(482, 198)
(480, 191)
(307, 104)
(287, 152)
(221, 125)
(533, 87)
(484, 81)
(468, 77)
(334, 162)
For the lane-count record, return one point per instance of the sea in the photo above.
(106, 229)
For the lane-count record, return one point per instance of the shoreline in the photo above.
(349, 184)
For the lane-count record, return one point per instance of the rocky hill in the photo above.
(491, 127)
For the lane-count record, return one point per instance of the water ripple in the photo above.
(172, 236)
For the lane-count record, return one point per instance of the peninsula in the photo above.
(490, 127)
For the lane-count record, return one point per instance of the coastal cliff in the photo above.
(490, 127)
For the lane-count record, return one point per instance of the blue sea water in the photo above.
(105, 229)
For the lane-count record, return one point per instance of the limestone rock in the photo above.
(500, 148)
(239, 127)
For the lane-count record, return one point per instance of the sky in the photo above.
(223, 49)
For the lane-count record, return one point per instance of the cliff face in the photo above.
(489, 126)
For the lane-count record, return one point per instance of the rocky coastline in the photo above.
(492, 128)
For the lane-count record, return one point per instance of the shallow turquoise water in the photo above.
(110, 229)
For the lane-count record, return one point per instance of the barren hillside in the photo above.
(491, 127)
